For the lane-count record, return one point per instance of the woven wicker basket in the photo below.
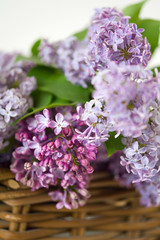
(111, 213)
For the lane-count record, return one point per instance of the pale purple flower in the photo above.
(94, 117)
(58, 124)
(32, 123)
(89, 112)
(28, 86)
(144, 164)
(15, 88)
(47, 51)
(23, 149)
(126, 92)
(7, 112)
(135, 48)
(43, 121)
(57, 195)
(35, 144)
(142, 153)
(149, 190)
(134, 151)
(113, 38)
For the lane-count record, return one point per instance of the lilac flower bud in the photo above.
(67, 132)
(57, 143)
(70, 144)
(67, 158)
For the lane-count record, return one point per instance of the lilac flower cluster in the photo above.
(126, 90)
(110, 37)
(149, 190)
(128, 101)
(113, 37)
(69, 55)
(15, 88)
(94, 117)
(56, 147)
(51, 154)
(142, 156)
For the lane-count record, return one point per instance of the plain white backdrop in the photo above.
(24, 21)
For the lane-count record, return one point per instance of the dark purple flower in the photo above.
(54, 158)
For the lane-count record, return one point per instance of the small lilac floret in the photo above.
(58, 124)
(42, 120)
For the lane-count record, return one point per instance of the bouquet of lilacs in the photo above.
(81, 102)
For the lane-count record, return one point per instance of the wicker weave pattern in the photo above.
(111, 213)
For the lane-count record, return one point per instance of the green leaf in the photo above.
(53, 81)
(66, 90)
(152, 31)
(41, 99)
(114, 144)
(35, 47)
(81, 35)
(134, 11)
(42, 73)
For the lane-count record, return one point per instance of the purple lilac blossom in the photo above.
(51, 154)
(110, 37)
(113, 37)
(15, 88)
(149, 190)
(128, 92)
(70, 55)
(94, 119)
(142, 157)
(118, 171)
(142, 154)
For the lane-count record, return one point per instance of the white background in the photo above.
(24, 21)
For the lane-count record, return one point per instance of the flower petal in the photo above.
(59, 118)
(46, 113)
(64, 124)
(40, 118)
(57, 130)
(52, 124)
(13, 114)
